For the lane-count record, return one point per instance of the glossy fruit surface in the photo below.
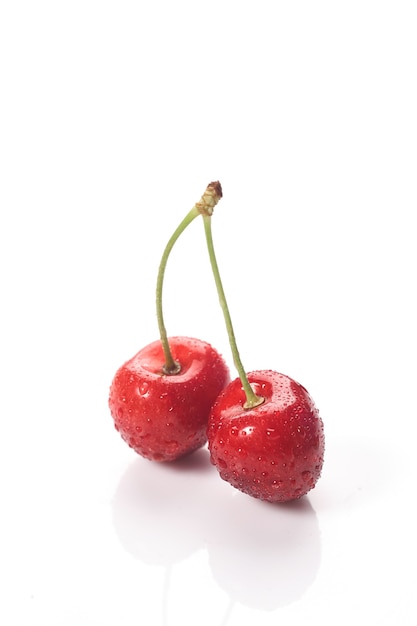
(163, 417)
(273, 452)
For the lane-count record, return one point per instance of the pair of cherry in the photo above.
(264, 433)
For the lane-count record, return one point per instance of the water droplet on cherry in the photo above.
(171, 447)
(248, 430)
(306, 476)
(143, 389)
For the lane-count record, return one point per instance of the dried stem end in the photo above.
(209, 199)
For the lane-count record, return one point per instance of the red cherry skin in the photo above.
(273, 452)
(163, 417)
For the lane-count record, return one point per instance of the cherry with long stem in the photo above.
(265, 435)
(160, 399)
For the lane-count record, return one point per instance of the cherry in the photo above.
(161, 416)
(273, 451)
(160, 399)
(265, 435)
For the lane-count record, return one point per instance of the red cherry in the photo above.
(273, 451)
(164, 416)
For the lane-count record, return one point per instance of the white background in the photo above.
(114, 116)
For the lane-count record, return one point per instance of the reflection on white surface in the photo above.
(263, 556)
(158, 509)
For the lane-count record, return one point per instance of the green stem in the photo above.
(171, 366)
(204, 206)
(252, 400)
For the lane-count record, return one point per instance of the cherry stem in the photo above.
(252, 400)
(205, 206)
